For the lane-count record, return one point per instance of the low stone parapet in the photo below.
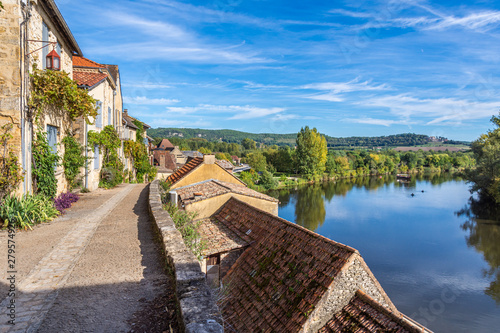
(198, 309)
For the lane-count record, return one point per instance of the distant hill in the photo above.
(230, 136)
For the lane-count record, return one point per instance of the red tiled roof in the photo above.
(165, 144)
(281, 276)
(364, 314)
(187, 168)
(213, 188)
(84, 62)
(88, 79)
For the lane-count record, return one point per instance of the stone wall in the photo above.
(354, 276)
(198, 309)
(10, 76)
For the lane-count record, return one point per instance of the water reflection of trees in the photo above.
(483, 225)
(310, 207)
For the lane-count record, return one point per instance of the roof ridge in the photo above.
(294, 225)
(373, 303)
(87, 59)
(242, 182)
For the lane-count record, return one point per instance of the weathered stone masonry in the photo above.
(198, 309)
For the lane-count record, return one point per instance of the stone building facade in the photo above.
(29, 31)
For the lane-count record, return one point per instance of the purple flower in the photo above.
(64, 201)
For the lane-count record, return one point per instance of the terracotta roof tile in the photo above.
(212, 188)
(84, 62)
(187, 168)
(219, 238)
(88, 79)
(364, 314)
(282, 275)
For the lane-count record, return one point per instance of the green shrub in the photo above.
(267, 181)
(73, 159)
(44, 166)
(188, 228)
(27, 211)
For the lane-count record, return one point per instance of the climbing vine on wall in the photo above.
(55, 91)
(45, 162)
(10, 173)
(139, 154)
(108, 142)
(73, 159)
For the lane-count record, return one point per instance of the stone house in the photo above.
(206, 197)
(32, 33)
(103, 84)
(277, 276)
(201, 169)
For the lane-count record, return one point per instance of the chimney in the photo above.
(125, 112)
(209, 159)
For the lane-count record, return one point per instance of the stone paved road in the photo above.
(106, 268)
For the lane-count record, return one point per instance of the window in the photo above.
(145, 140)
(45, 39)
(109, 116)
(52, 140)
(96, 157)
(98, 119)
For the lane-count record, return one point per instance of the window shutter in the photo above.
(98, 120)
(45, 49)
(145, 140)
(109, 115)
(96, 157)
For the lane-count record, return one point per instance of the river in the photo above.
(434, 251)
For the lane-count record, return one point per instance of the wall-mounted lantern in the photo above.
(53, 61)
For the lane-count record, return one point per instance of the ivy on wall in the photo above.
(139, 154)
(56, 92)
(108, 142)
(10, 173)
(45, 162)
(73, 159)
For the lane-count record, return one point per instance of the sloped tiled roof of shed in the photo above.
(364, 314)
(219, 238)
(186, 168)
(282, 275)
(213, 187)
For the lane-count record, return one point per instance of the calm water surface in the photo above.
(436, 253)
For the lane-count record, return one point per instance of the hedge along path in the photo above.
(36, 294)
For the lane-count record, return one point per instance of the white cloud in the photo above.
(149, 101)
(372, 121)
(335, 90)
(436, 111)
(239, 112)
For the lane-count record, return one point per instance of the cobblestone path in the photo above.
(105, 269)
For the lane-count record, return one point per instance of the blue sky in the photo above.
(348, 68)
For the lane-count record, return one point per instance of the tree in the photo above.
(267, 181)
(248, 144)
(485, 178)
(257, 161)
(311, 152)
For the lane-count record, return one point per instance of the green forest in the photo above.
(269, 139)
